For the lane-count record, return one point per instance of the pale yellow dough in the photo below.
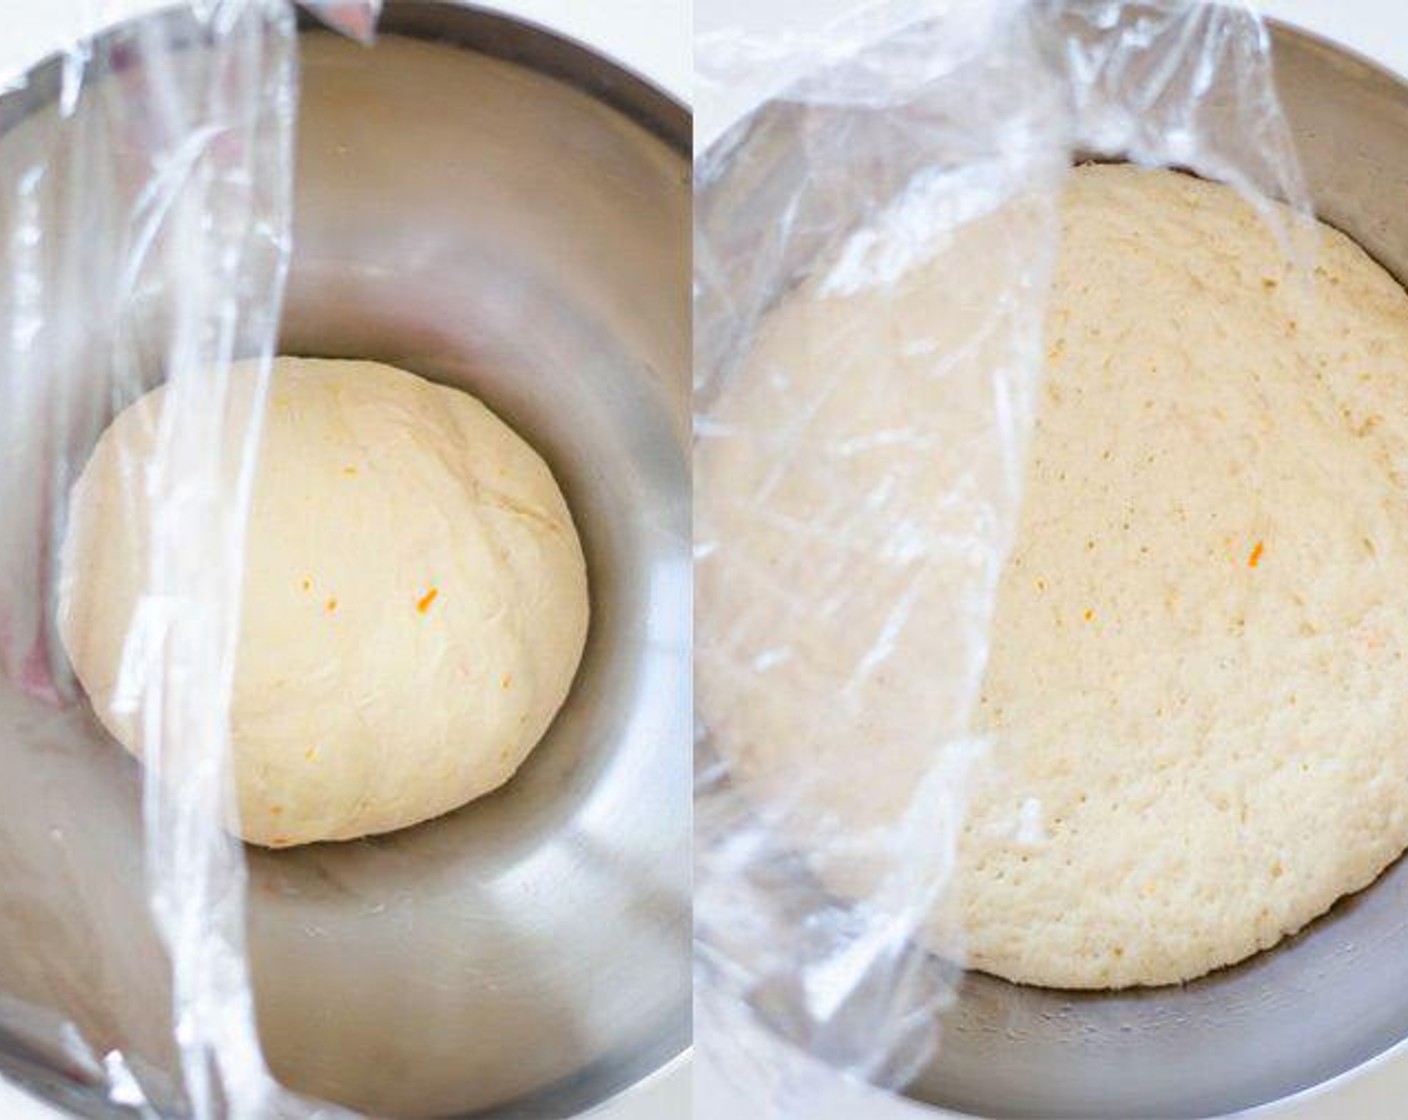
(415, 599)
(1197, 695)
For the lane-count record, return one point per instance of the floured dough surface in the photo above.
(1198, 673)
(415, 599)
(1197, 695)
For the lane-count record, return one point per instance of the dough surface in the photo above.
(1196, 701)
(414, 607)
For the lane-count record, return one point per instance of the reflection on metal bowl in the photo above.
(477, 221)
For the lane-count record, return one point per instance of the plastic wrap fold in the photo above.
(859, 452)
(145, 195)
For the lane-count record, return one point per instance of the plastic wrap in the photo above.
(859, 459)
(145, 197)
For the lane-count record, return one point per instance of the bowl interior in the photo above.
(472, 219)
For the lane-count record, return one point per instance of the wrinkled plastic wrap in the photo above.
(859, 461)
(145, 197)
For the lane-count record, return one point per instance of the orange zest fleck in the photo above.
(1089, 613)
(1255, 558)
(507, 682)
(425, 600)
(349, 469)
(331, 605)
(276, 809)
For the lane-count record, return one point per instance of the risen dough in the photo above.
(1197, 695)
(415, 599)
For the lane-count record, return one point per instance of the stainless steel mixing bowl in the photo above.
(496, 208)
(1320, 1004)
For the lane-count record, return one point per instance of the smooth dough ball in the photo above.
(414, 605)
(1196, 699)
